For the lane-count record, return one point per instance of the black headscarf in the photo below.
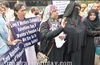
(72, 12)
(69, 9)
(93, 25)
(74, 28)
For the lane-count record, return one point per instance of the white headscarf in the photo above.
(46, 14)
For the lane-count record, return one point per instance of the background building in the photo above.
(43, 3)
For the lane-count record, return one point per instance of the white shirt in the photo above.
(29, 15)
(9, 15)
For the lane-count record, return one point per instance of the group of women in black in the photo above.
(79, 36)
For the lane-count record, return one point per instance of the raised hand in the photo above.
(63, 23)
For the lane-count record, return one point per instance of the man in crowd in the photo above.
(83, 12)
(3, 12)
(3, 25)
(34, 11)
(9, 12)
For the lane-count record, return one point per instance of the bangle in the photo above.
(8, 43)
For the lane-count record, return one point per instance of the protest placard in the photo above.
(27, 30)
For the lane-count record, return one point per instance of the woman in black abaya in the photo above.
(93, 28)
(76, 34)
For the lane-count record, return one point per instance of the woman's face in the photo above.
(92, 17)
(55, 14)
(21, 13)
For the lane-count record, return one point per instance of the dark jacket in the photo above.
(56, 54)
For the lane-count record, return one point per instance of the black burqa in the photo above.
(76, 34)
(74, 28)
(93, 29)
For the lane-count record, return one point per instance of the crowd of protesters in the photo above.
(79, 25)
